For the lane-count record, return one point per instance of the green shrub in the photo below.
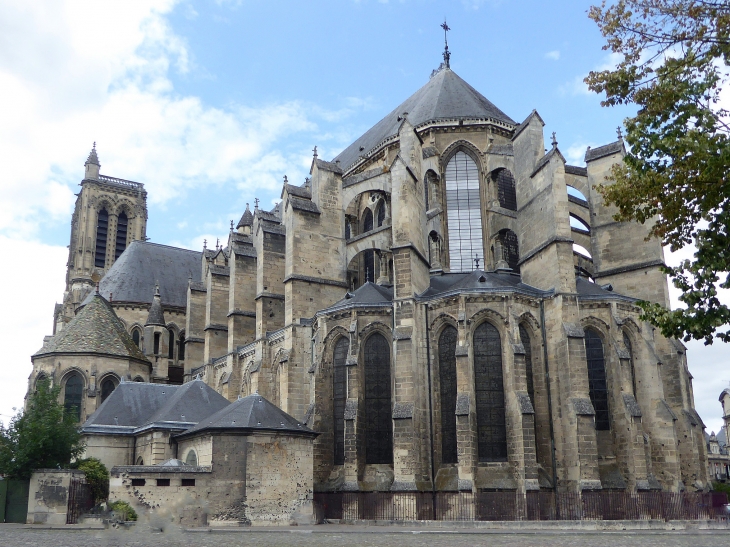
(721, 487)
(123, 510)
(97, 477)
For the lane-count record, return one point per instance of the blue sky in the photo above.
(210, 103)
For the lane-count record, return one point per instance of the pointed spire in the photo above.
(246, 219)
(156, 316)
(93, 158)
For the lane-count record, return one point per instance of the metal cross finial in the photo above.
(205, 244)
(286, 180)
(618, 132)
(94, 145)
(555, 141)
(256, 203)
(231, 226)
(217, 243)
(315, 151)
(447, 53)
(476, 261)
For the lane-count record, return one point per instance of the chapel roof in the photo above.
(95, 329)
(368, 293)
(132, 278)
(445, 96)
(478, 280)
(250, 413)
(135, 406)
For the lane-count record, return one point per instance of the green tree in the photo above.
(44, 436)
(673, 64)
(97, 477)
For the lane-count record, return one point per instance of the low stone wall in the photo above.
(49, 494)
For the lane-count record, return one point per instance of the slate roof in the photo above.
(246, 219)
(156, 315)
(95, 329)
(133, 276)
(478, 280)
(250, 413)
(136, 406)
(368, 294)
(444, 97)
(588, 290)
(606, 150)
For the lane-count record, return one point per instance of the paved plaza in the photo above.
(326, 536)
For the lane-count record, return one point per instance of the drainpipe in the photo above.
(430, 414)
(550, 404)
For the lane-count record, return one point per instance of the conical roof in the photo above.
(156, 316)
(93, 158)
(250, 413)
(444, 97)
(96, 329)
(246, 219)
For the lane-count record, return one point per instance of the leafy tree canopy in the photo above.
(44, 436)
(673, 64)
(97, 477)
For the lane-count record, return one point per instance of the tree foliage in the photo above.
(44, 436)
(97, 477)
(673, 64)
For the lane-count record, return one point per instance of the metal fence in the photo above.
(512, 506)
(80, 500)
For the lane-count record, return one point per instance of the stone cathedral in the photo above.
(447, 303)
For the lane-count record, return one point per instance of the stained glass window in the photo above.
(464, 213)
(107, 386)
(491, 424)
(447, 377)
(381, 214)
(506, 191)
(597, 385)
(339, 391)
(367, 222)
(510, 249)
(525, 339)
(378, 421)
(72, 396)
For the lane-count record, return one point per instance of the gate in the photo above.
(79, 500)
(14, 500)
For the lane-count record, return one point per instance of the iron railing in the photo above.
(80, 500)
(512, 506)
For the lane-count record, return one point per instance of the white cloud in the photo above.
(554, 55)
(575, 153)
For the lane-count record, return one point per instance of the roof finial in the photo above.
(286, 180)
(447, 53)
(476, 261)
(256, 203)
(315, 151)
(555, 141)
(618, 132)
(94, 147)
(231, 225)
(205, 244)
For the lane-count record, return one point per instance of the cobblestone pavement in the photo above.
(19, 536)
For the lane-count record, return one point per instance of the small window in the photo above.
(138, 482)
(135, 337)
(381, 214)
(367, 223)
(181, 348)
(191, 458)
(163, 482)
(170, 344)
(187, 482)
(157, 343)
(73, 395)
(107, 386)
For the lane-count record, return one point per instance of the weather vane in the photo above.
(447, 53)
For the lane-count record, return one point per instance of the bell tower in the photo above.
(109, 214)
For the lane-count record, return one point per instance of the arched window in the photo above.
(464, 213)
(527, 344)
(135, 337)
(367, 221)
(156, 344)
(139, 461)
(381, 213)
(41, 379)
(138, 379)
(339, 397)
(491, 424)
(191, 458)
(121, 240)
(506, 191)
(72, 395)
(181, 348)
(510, 249)
(632, 371)
(170, 344)
(597, 385)
(447, 380)
(369, 264)
(102, 229)
(378, 421)
(107, 386)
(348, 230)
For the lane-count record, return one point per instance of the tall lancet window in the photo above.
(339, 391)
(464, 213)
(102, 229)
(121, 234)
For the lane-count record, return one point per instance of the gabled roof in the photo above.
(250, 413)
(136, 406)
(368, 294)
(444, 97)
(605, 150)
(478, 280)
(95, 329)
